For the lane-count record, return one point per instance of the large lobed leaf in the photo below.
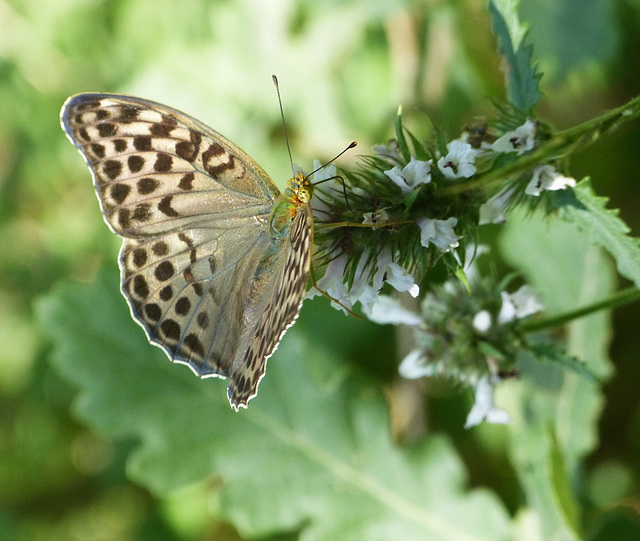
(312, 453)
(557, 422)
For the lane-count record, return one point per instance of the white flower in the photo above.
(519, 140)
(385, 309)
(438, 232)
(414, 174)
(415, 365)
(493, 211)
(360, 291)
(377, 218)
(393, 274)
(546, 177)
(389, 151)
(333, 283)
(382, 308)
(482, 321)
(368, 298)
(519, 305)
(484, 408)
(360, 279)
(460, 160)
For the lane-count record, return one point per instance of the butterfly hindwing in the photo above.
(191, 305)
(275, 310)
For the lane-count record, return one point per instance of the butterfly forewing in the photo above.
(157, 169)
(200, 269)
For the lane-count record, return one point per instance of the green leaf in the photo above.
(619, 523)
(561, 482)
(522, 78)
(557, 425)
(312, 453)
(604, 227)
(550, 353)
(561, 44)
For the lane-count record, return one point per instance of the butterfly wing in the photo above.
(273, 308)
(198, 264)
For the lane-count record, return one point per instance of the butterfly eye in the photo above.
(304, 195)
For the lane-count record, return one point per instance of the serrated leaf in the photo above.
(605, 228)
(312, 453)
(562, 418)
(522, 78)
(551, 353)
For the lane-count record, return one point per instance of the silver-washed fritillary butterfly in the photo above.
(215, 259)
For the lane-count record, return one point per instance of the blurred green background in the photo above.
(343, 66)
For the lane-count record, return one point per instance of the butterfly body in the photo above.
(215, 260)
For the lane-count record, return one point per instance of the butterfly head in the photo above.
(300, 189)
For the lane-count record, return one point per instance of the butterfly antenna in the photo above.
(353, 144)
(284, 124)
(337, 177)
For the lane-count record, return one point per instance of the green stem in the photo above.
(620, 298)
(335, 225)
(560, 145)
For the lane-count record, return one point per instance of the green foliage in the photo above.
(561, 47)
(521, 75)
(557, 428)
(551, 354)
(313, 457)
(313, 453)
(605, 228)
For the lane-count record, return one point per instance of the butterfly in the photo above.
(215, 260)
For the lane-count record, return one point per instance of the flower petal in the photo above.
(438, 232)
(412, 176)
(387, 310)
(546, 177)
(459, 162)
(484, 408)
(519, 140)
